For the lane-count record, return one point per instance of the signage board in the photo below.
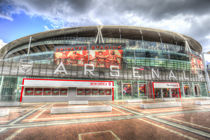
(67, 83)
(166, 85)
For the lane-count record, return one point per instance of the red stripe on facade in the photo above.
(113, 91)
(21, 95)
(153, 90)
(180, 92)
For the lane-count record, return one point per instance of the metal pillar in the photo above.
(1, 85)
(206, 74)
(29, 46)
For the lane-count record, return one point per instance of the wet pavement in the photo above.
(126, 121)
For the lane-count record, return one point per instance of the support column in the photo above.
(1, 85)
(206, 75)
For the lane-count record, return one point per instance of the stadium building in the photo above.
(101, 63)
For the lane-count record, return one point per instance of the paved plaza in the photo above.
(126, 121)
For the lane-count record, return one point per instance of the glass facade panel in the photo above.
(146, 55)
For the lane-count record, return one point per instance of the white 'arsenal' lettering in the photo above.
(115, 72)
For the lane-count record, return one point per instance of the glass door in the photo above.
(175, 92)
(165, 92)
(158, 93)
(197, 90)
(142, 90)
(187, 90)
(127, 90)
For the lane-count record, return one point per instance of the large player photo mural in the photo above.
(100, 58)
(196, 64)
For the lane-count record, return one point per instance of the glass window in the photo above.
(63, 92)
(175, 92)
(140, 54)
(55, 91)
(129, 54)
(80, 91)
(38, 91)
(108, 92)
(95, 92)
(47, 91)
(87, 91)
(29, 91)
(101, 91)
(147, 54)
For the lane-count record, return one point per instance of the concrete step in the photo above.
(4, 112)
(81, 109)
(161, 105)
(9, 103)
(205, 98)
(134, 101)
(78, 102)
(206, 102)
(169, 99)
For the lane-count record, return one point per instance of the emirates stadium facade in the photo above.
(101, 63)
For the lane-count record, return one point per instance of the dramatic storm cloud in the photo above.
(190, 17)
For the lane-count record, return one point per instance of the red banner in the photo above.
(100, 58)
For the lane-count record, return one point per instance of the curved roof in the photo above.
(126, 32)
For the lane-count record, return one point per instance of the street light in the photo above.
(206, 73)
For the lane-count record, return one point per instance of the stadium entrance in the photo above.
(166, 90)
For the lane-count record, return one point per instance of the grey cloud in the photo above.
(53, 6)
(160, 9)
(112, 12)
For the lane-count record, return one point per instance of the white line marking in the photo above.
(198, 132)
(40, 113)
(186, 122)
(131, 111)
(3, 129)
(89, 116)
(20, 130)
(170, 130)
(120, 110)
(14, 134)
(25, 115)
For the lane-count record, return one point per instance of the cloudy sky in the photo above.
(19, 18)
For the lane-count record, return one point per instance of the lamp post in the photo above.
(206, 72)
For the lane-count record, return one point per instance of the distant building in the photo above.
(101, 63)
